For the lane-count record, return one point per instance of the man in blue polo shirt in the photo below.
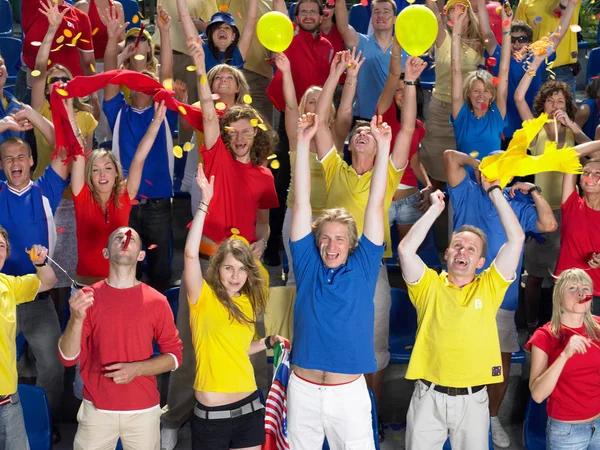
(376, 48)
(26, 213)
(151, 218)
(336, 274)
(472, 206)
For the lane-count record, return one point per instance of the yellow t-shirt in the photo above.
(87, 124)
(13, 292)
(347, 189)
(529, 10)
(318, 189)
(221, 345)
(550, 182)
(443, 72)
(457, 338)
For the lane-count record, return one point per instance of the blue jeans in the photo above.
(404, 211)
(12, 426)
(572, 436)
(563, 73)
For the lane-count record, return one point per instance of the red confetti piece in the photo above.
(152, 246)
(506, 23)
(495, 80)
(450, 23)
(127, 240)
(491, 61)
(134, 202)
(484, 106)
(143, 196)
(61, 230)
(364, 2)
(149, 182)
(331, 2)
(240, 15)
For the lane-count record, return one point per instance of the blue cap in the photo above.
(222, 17)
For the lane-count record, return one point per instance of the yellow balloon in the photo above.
(416, 29)
(275, 31)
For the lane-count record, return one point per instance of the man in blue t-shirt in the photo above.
(336, 274)
(472, 206)
(376, 49)
(151, 216)
(26, 213)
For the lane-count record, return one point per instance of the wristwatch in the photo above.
(534, 188)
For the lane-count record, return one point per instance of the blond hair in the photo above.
(478, 75)
(4, 234)
(477, 232)
(339, 215)
(473, 36)
(302, 104)
(118, 188)
(238, 76)
(567, 279)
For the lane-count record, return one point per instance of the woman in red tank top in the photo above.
(93, 8)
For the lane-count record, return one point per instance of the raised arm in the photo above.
(302, 211)
(441, 33)
(457, 79)
(69, 343)
(289, 94)
(134, 177)
(391, 83)
(249, 26)
(563, 25)
(570, 180)
(485, 29)
(411, 264)
(192, 272)
(563, 118)
(210, 120)
(38, 121)
(508, 257)
(348, 33)
(521, 92)
(114, 29)
(413, 69)
(455, 162)
(163, 22)
(343, 118)
(38, 84)
(505, 56)
(546, 222)
(373, 229)
(186, 20)
(44, 272)
(279, 5)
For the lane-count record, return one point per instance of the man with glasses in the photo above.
(376, 48)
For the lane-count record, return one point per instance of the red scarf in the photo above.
(82, 86)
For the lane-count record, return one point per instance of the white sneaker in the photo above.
(499, 436)
(168, 438)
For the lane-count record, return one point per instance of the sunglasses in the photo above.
(134, 38)
(519, 39)
(59, 80)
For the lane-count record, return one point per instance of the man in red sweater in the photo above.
(111, 331)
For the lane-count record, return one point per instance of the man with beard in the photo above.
(111, 331)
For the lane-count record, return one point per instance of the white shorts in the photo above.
(507, 331)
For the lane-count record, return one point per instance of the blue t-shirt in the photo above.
(472, 206)
(515, 74)
(28, 217)
(481, 135)
(210, 61)
(12, 107)
(129, 125)
(334, 310)
(372, 75)
(589, 128)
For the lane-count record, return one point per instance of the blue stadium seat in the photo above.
(172, 295)
(359, 18)
(593, 65)
(292, 12)
(403, 327)
(21, 345)
(10, 88)
(10, 49)
(6, 18)
(428, 76)
(130, 8)
(427, 251)
(36, 413)
(534, 428)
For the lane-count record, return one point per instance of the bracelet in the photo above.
(396, 56)
(561, 6)
(40, 265)
(506, 33)
(349, 83)
(492, 188)
(410, 83)
(205, 204)
(534, 188)
(268, 343)
(205, 211)
(265, 241)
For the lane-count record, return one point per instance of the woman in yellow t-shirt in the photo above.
(223, 312)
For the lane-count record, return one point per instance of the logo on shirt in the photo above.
(69, 24)
(478, 304)
(496, 371)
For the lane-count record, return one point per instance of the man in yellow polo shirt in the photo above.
(544, 16)
(456, 352)
(14, 291)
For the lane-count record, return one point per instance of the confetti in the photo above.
(575, 28)
(272, 156)
(68, 33)
(143, 196)
(191, 68)
(229, 129)
(62, 92)
(57, 48)
(235, 231)
(498, 10)
(223, 8)
(484, 106)
(203, 79)
(127, 240)
(60, 39)
(275, 165)
(491, 61)
(247, 99)
(35, 73)
(139, 57)
(364, 2)
(168, 84)
(95, 31)
(474, 154)
(408, 347)
(215, 96)
(70, 44)
(61, 230)
(450, 23)
(506, 23)
(36, 43)
(495, 81)
(262, 126)
(537, 20)
(134, 202)
(254, 122)
(92, 68)
(76, 38)
(177, 151)
(240, 15)
(85, 40)
(221, 106)
(149, 182)
(49, 61)
(188, 146)
(135, 19)
(152, 246)
(331, 2)
(182, 110)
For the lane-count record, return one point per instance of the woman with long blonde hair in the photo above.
(565, 365)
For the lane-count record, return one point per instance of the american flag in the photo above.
(276, 410)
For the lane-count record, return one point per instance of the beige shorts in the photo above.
(438, 139)
(540, 259)
(507, 331)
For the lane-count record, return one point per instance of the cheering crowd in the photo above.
(503, 166)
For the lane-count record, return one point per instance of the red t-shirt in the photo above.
(389, 116)
(240, 190)
(577, 392)
(120, 327)
(99, 32)
(93, 229)
(579, 238)
(35, 26)
(309, 63)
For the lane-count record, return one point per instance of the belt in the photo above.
(254, 405)
(451, 391)
(6, 399)
(143, 201)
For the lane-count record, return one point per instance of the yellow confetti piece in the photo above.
(254, 122)
(223, 8)
(177, 151)
(85, 40)
(408, 347)
(70, 45)
(273, 156)
(57, 48)
(68, 33)
(575, 28)
(262, 126)
(62, 92)
(168, 84)
(182, 110)
(76, 38)
(141, 15)
(247, 99)
(36, 43)
(60, 39)
(235, 231)
(275, 164)
(221, 106)
(191, 68)
(203, 79)
(35, 73)
(188, 146)
(49, 61)
(139, 57)
(474, 154)
(92, 68)
(229, 129)
(135, 19)
(95, 31)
